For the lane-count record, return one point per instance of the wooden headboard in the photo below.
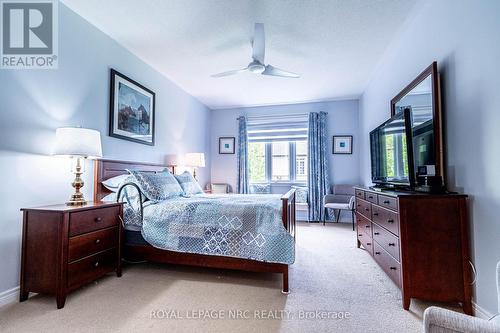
(105, 169)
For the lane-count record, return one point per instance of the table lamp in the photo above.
(78, 143)
(194, 160)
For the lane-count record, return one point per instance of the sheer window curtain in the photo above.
(242, 155)
(317, 177)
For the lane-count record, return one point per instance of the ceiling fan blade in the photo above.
(259, 43)
(236, 71)
(273, 71)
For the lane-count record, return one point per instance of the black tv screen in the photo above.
(391, 155)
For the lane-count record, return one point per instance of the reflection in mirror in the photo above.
(419, 102)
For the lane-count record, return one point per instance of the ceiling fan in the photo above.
(257, 65)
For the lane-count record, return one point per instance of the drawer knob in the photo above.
(378, 253)
(360, 235)
(375, 214)
(367, 209)
(392, 244)
(393, 268)
(368, 243)
(97, 241)
(96, 264)
(387, 202)
(359, 205)
(98, 219)
(390, 221)
(367, 226)
(377, 233)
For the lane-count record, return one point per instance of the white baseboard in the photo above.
(480, 312)
(9, 296)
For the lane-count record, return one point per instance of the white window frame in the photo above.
(292, 167)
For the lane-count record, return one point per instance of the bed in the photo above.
(275, 251)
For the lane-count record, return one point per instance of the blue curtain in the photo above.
(242, 155)
(317, 177)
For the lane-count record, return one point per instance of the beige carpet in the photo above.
(330, 276)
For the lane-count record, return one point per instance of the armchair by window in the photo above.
(341, 199)
(438, 320)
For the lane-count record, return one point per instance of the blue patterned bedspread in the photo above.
(242, 226)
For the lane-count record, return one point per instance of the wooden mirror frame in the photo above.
(436, 112)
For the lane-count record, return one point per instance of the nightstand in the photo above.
(65, 247)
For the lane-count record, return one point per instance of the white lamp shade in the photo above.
(76, 141)
(194, 160)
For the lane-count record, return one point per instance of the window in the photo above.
(301, 161)
(280, 160)
(257, 161)
(277, 161)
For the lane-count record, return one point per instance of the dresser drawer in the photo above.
(91, 220)
(390, 266)
(364, 225)
(359, 193)
(372, 197)
(366, 241)
(88, 269)
(388, 202)
(364, 208)
(386, 218)
(90, 243)
(387, 240)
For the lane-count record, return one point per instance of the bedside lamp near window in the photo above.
(194, 160)
(78, 143)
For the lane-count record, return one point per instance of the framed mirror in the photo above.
(422, 98)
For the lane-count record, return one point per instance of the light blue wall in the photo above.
(342, 120)
(35, 102)
(462, 37)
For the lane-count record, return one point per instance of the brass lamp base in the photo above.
(77, 197)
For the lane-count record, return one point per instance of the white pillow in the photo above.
(109, 198)
(113, 184)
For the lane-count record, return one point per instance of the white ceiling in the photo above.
(334, 44)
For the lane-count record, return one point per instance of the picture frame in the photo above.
(227, 145)
(131, 110)
(342, 144)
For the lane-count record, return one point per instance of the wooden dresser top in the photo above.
(409, 193)
(64, 208)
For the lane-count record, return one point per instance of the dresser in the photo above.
(65, 247)
(420, 241)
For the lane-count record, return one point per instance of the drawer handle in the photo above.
(360, 235)
(387, 202)
(367, 209)
(375, 214)
(367, 226)
(393, 268)
(97, 241)
(376, 233)
(377, 253)
(392, 244)
(370, 197)
(98, 219)
(368, 243)
(96, 264)
(390, 221)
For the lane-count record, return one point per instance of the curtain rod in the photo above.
(279, 115)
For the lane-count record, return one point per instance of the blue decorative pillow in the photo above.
(301, 194)
(157, 186)
(260, 189)
(189, 185)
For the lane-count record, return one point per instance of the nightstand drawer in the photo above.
(90, 268)
(91, 220)
(90, 243)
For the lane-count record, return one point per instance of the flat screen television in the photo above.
(392, 153)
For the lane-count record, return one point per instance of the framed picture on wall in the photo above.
(342, 144)
(131, 110)
(226, 145)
